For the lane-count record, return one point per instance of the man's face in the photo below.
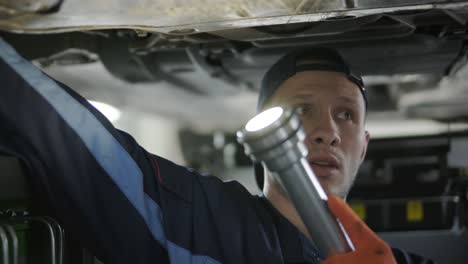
(331, 109)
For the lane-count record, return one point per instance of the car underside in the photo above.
(402, 48)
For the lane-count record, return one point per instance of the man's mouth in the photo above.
(323, 163)
(324, 167)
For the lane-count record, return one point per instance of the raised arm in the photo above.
(103, 186)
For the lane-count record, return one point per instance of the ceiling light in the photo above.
(109, 111)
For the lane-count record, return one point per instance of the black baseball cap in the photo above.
(299, 60)
(305, 59)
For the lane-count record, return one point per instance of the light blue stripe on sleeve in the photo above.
(110, 155)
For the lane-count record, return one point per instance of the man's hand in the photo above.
(369, 248)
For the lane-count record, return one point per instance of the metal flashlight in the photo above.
(275, 137)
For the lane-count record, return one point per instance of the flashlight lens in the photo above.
(264, 119)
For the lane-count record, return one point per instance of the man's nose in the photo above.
(325, 131)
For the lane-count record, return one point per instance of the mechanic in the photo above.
(129, 206)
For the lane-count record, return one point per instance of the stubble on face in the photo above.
(331, 139)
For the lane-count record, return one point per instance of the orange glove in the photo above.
(369, 248)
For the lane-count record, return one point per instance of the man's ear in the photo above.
(364, 146)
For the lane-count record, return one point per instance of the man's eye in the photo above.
(345, 115)
(301, 110)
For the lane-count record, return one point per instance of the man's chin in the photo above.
(327, 186)
(330, 189)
